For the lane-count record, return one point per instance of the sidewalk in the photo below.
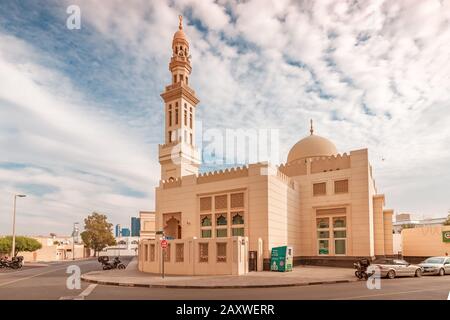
(300, 276)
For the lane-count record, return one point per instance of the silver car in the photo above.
(436, 265)
(391, 268)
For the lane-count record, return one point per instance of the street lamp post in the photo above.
(13, 247)
(74, 233)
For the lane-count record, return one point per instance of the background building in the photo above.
(125, 246)
(125, 232)
(55, 248)
(408, 221)
(118, 230)
(135, 227)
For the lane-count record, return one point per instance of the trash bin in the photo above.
(281, 259)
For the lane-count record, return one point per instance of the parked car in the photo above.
(391, 268)
(436, 265)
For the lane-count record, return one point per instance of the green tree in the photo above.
(97, 232)
(23, 244)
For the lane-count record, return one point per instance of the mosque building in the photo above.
(321, 203)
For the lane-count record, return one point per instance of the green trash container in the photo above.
(281, 259)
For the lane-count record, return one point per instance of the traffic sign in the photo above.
(164, 244)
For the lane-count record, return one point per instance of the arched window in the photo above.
(238, 218)
(206, 221)
(221, 220)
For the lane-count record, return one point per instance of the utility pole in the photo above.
(74, 234)
(13, 247)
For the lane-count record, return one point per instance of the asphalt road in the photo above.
(50, 283)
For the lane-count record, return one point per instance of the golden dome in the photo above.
(312, 146)
(180, 35)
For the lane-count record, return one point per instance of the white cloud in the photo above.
(48, 125)
(371, 74)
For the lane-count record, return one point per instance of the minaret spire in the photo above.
(312, 129)
(180, 24)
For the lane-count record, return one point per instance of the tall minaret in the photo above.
(178, 156)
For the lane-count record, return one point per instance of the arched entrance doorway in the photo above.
(172, 226)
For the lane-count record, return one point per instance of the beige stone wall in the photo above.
(379, 228)
(424, 241)
(281, 209)
(148, 224)
(190, 261)
(283, 216)
(183, 201)
(357, 203)
(388, 233)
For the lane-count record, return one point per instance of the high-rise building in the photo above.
(135, 227)
(118, 230)
(125, 232)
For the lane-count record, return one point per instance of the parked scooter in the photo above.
(361, 269)
(14, 263)
(107, 265)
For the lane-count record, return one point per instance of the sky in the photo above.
(81, 116)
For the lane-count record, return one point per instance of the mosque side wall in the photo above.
(257, 225)
(283, 215)
(184, 198)
(379, 237)
(362, 206)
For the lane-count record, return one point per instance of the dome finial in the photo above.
(180, 24)
(312, 129)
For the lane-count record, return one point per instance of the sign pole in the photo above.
(163, 245)
(163, 257)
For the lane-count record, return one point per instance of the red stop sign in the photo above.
(164, 244)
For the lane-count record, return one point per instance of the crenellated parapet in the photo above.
(219, 175)
(324, 164)
(171, 183)
(207, 177)
(295, 168)
(315, 165)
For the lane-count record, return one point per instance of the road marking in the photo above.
(88, 290)
(82, 295)
(33, 276)
(386, 294)
(30, 277)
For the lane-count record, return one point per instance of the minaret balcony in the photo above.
(180, 85)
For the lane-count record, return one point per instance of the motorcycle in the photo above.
(14, 263)
(107, 265)
(361, 269)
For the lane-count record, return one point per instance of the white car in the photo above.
(436, 265)
(392, 268)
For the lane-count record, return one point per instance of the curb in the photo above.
(172, 286)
